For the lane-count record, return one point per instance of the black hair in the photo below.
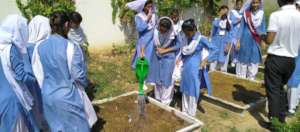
(148, 2)
(175, 11)
(285, 2)
(224, 7)
(57, 22)
(75, 17)
(166, 23)
(189, 25)
(225, 17)
(237, 1)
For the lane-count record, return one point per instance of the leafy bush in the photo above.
(163, 6)
(31, 8)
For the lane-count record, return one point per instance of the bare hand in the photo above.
(150, 14)
(263, 45)
(227, 48)
(161, 50)
(204, 63)
(143, 51)
(238, 45)
(178, 62)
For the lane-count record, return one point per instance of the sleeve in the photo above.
(141, 25)
(273, 24)
(18, 66)
(79, 69)
(241, 29)
(262, 28)
(215, 25)
(213, 51)
(234, 19)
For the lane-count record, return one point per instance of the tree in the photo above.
(164, 7)
(31, 8)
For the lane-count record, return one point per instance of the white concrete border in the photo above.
(195, 123)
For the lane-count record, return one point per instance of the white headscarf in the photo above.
(137, 5)
(247, 5)
(39, 29)
(14, 30)
(169, 36)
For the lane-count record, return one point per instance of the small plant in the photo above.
(204, 129)
(233, 129)
(224, 115)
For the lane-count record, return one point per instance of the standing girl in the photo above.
(145, 22)
(191, 57)
(39, 30)
(59, 74)
(252, 26)
(235, 18)
(163, 60)
(15, 99)
(221, 39)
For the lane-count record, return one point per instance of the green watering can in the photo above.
(141, 72)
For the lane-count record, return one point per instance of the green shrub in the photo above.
(31, 8)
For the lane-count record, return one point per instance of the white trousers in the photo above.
(293, 98)
(213, 66)
(248, 71)
(20, 124)
(189, 105)
(163, 94)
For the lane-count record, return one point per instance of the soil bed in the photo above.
(235, 90)
(122, 115)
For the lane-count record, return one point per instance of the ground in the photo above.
(112, 76)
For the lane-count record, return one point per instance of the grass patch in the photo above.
(293, 126)
(111, 74)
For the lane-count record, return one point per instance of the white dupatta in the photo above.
(13, 30)
(20, 90)
(38, 71)
(169, 35)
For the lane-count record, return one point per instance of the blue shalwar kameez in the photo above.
(63, 106)
(39, 30)
(190, 80)
(235, 18)
(162, 66)
(221, 38)
(294, 87)
(145, 30)
(15, 99)
(249, 55)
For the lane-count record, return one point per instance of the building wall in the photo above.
(97, 19)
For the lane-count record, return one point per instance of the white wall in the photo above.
(8, 7)
(97, 22)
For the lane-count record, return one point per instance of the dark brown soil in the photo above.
(122, 115)
(235, 90)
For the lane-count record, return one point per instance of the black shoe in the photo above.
(268, 125)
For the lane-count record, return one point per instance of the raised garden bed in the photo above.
(235, 93)
(121, 114)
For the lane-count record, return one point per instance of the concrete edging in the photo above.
(195, 123)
